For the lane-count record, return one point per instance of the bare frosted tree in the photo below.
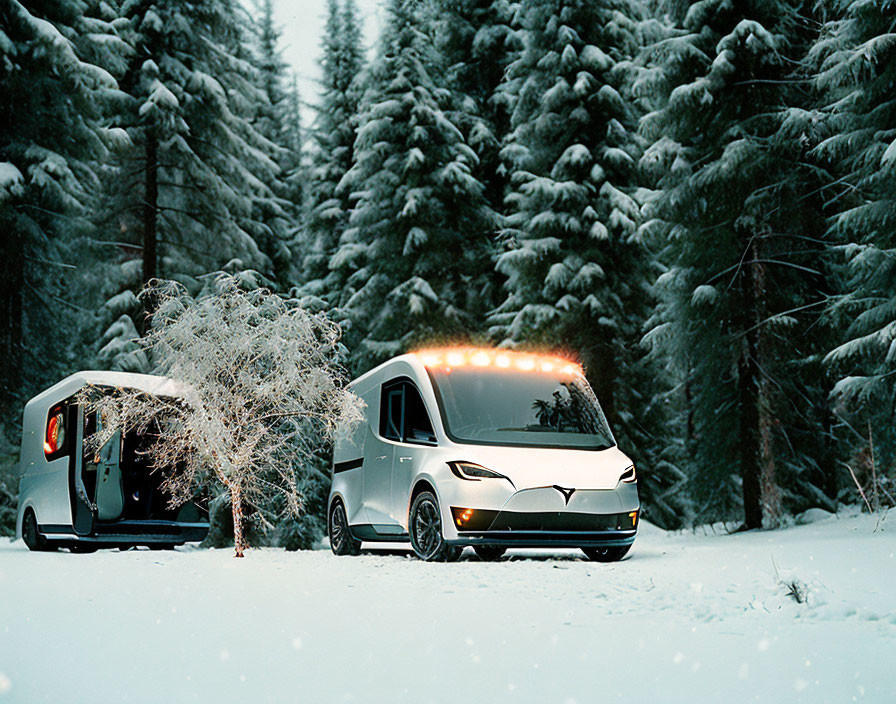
(259, 385)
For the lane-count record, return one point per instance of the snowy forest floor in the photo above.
(687, 617)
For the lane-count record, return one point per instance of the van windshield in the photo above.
(531, 409)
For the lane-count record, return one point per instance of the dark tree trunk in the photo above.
(602, 375)
(748, 401)
(757, 457)
(151, 209)
(12, 286)
(771, 499)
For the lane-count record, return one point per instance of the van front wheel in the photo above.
(425, 529)
(489, 553)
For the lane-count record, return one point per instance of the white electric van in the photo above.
(482, 447)
(69, 497)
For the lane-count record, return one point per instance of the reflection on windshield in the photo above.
(508, 407)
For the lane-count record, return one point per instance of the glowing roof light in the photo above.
(455, 359)
(481, 359)
(431, 360)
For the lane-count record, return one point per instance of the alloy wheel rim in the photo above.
(337, 527)
(427, 528)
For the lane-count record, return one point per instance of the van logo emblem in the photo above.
(567, 493)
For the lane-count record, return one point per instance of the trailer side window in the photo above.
(55, 436)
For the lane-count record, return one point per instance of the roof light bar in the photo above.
(452, 357)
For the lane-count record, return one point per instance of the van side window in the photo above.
(417, 427)
(403, 415)
(391, 411)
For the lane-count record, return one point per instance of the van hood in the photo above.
(531, 467)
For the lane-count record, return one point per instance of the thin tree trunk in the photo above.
(602, 374)
(236, 504)
(748, 397)
(12, 290)
(151, 208)
(762, 503)
(689, 406)
(771, 498)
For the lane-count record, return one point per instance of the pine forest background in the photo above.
(695, 199)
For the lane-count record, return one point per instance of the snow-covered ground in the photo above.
(686, 618)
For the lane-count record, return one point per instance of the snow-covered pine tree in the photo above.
(858, 75)
(188, 185)
(420, 236)
(277, 119)
(571, 259)
(194, 162)
(332, 149)
(742, 249)
(477, 44)
(53, 86)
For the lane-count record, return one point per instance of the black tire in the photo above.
(489, 553)
(82, 548)
(342, 542)
(425, 530)
(30, 533)
(162, 546)
(611, 554)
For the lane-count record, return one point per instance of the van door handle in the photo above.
(405, 459)
(381, 457)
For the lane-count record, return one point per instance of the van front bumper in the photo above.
(544, 516)
(543, 528)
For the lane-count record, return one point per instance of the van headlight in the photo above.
(474, 472)
(629, 476)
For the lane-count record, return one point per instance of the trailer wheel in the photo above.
(31, 535)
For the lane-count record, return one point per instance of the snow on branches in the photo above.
(258, 385)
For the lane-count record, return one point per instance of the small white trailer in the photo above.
(81, 499)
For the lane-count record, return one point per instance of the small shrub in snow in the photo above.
(260, 387)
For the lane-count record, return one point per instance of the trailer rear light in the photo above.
(55, 437)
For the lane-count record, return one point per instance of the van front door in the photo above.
(416, 435)
(378, 455)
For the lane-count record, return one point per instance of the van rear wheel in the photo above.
(611, 554)
(82, 548)
(342, 542)
(425, 529)
(30, 533)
